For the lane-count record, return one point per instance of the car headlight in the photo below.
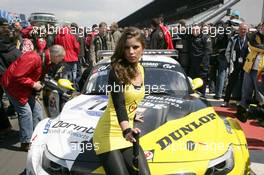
(221, 165)
(53, 165)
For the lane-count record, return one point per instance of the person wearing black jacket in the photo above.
(236, 53)
(157, 39)
(200, 48)
(79, 35)
(8, 53)
(180, 42)
(221, 42)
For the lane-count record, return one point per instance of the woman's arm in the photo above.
(118, 97)
(120, 108)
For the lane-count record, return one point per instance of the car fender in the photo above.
(38, 139)
(238, 131)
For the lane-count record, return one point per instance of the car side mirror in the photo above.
(66, 84)
(197, 83)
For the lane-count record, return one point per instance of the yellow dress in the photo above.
(108, 134)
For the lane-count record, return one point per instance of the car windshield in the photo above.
(157, 81)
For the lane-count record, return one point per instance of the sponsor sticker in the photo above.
(94, 113)
(102, 68)
(183, 131)
(132, 107)
(34, 138)
(190, 145)
(168, 66)
(150, 64)
(149, 154)
(47, 127)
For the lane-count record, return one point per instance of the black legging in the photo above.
(119, 162)
(233, 80)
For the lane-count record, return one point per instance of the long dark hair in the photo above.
(125, 70)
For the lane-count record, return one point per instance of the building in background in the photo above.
(252, 11)
(170, 10)
(42, 18)
(263, 12)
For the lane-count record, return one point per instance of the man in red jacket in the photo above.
(72, 48)
(21, 82)
(166, 33)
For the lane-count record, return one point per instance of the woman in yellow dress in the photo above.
(114, 131)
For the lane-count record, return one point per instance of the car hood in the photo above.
(182, 129)
(174, 129)
(70, 132)
(200, 135)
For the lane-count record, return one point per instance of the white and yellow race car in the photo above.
(181, 134)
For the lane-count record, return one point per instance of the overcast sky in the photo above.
(83, 12)
(88, 12)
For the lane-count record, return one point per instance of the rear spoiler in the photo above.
(170, 53)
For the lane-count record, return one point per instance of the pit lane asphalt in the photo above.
(13, 161)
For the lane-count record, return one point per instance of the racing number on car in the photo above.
(91, 104)
(95, 103)
(98, 105)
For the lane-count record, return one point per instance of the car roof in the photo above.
(162, 56)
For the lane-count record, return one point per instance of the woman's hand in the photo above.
(129, 136)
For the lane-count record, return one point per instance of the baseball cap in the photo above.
(94, 26)
(235, 13)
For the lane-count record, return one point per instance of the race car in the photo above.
(181, 134)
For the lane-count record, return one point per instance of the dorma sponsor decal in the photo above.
(183, 131)
(73, 127)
